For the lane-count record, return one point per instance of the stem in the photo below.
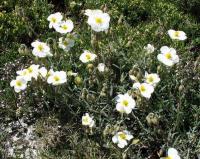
(139, 122)
(95, 43)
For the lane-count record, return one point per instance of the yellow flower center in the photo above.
(65, 42)
(19, 83)
(142, 88)
(53, 20)
(85, 119)
(176, 33)
(122, 136)
(30, 70)
(24, 73)
(56, 78)
(65, 27)
(99, 20)
(150, 79)
(40, 47)
(125, 103)
(168, 55)
(88, 56)
(168, 157)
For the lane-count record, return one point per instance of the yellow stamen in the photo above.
(168, 55)
(150, 79)
(30, 70)
(24, 73)
(85, 119)
(19, 83)
(99, 20)
(65, 27)
(142, 88)
(125, 103)
(65, 43)
(176, 33)
(122, 136)
(88, 56)
(53, 20)
(56, 78)
(40, 47)
(168, 157)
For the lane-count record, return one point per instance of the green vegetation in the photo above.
(55, 112)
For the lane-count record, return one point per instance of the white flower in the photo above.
(178, 35)
(30, 72)
(87, 56)
(98, 20)
(33, 70)
(65, 27)
(50, 72)
(65, 43)
(172, 153)
(152, 78)
(54, 19)
(121, 138)
(57, 78)
(19, 84)
(25, 74)
(149, 48)
(101, 67)
(125, 103)
(168, 56)
(87, 120)
(40, 49)
(43, 72)
(145, 89)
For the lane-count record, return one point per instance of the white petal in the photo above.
(127, 110)
(171, 33)
(172, 152)
(50, 80)
(17, 90)
(23, 87)
(136, 85)
(146, 94)
(91, 124)
(114, 139)
(129, 137)
(122, 143)
(164, 49)
(12, 83)
(176, 59)
(119, 107)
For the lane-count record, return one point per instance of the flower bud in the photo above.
(84, 93)
(18, 111)
(120, 19)
(181, 87)
(102, 94)
(152, 119)
(78, 80)
(23, 50)
(90, 97)
(90, 66)
(159, 69)
(138, 76)
(72, 4)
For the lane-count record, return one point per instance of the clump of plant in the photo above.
(84, 81)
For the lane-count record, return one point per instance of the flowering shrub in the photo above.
(92, 87)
